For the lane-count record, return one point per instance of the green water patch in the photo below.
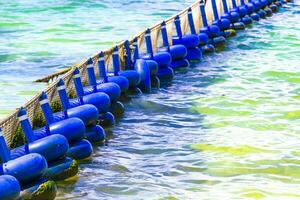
(239, 150)
(258, 125)
(225, 112)
(255, 193)
(65, 40)
(282, 167)
(292, 115)
(292, 77)
(14, 24)
(9, 57)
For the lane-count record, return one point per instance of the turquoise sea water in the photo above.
(226, 128)
(38, 37)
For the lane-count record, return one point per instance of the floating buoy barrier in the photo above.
(152, 64)
(108, 92)
(52, 147)
(110, 86)
(203, 37)
(178, 52)
(191, 42)
(88, 113)
(132, 76)
(75, 104)
(9, 187)
(242, 11)
(35, 163)
(72, 128)
(134, 66)
(163, 59)
(50, 152)
(23, 175)
(215, 35)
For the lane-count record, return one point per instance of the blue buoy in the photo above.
(136, 65)
(190, 41)
(178, 52)
(52, 147)
(132, 76)
(243, 12)
(152, 65)
(222, 23)
(163, 59)
(106, 118)
(88, 113)
(114, 77)
(104, 83)
(233, 15)
(203, 37)
(214, 33)
(110, 92)
(72, 129)
(25, 169)
(9, 187)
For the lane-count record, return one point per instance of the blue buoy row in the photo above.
(50, 152)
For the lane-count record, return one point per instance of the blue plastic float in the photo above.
(52, 147)
(242, 11)
(251, 11)
(178, 52)
(104, 83)
(25, 168)
(191, 42)
(233, 15)
(100, 101)
(203, 37)
(114, 77)
(258, 8)
(223, 23)
(143, 67)
(72, 129)
(88, 113)
(9, 187)
(163, 59)
(132, 76)
(216, 36)
(152, 64)
(28, 171)
(102, 87)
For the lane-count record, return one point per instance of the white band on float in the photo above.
(42, 102)
(101, 59)
(23, 117)
(90, 66)
(63, 87)
(77, 76)
(115, 53)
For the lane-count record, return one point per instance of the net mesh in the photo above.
(11, 123)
